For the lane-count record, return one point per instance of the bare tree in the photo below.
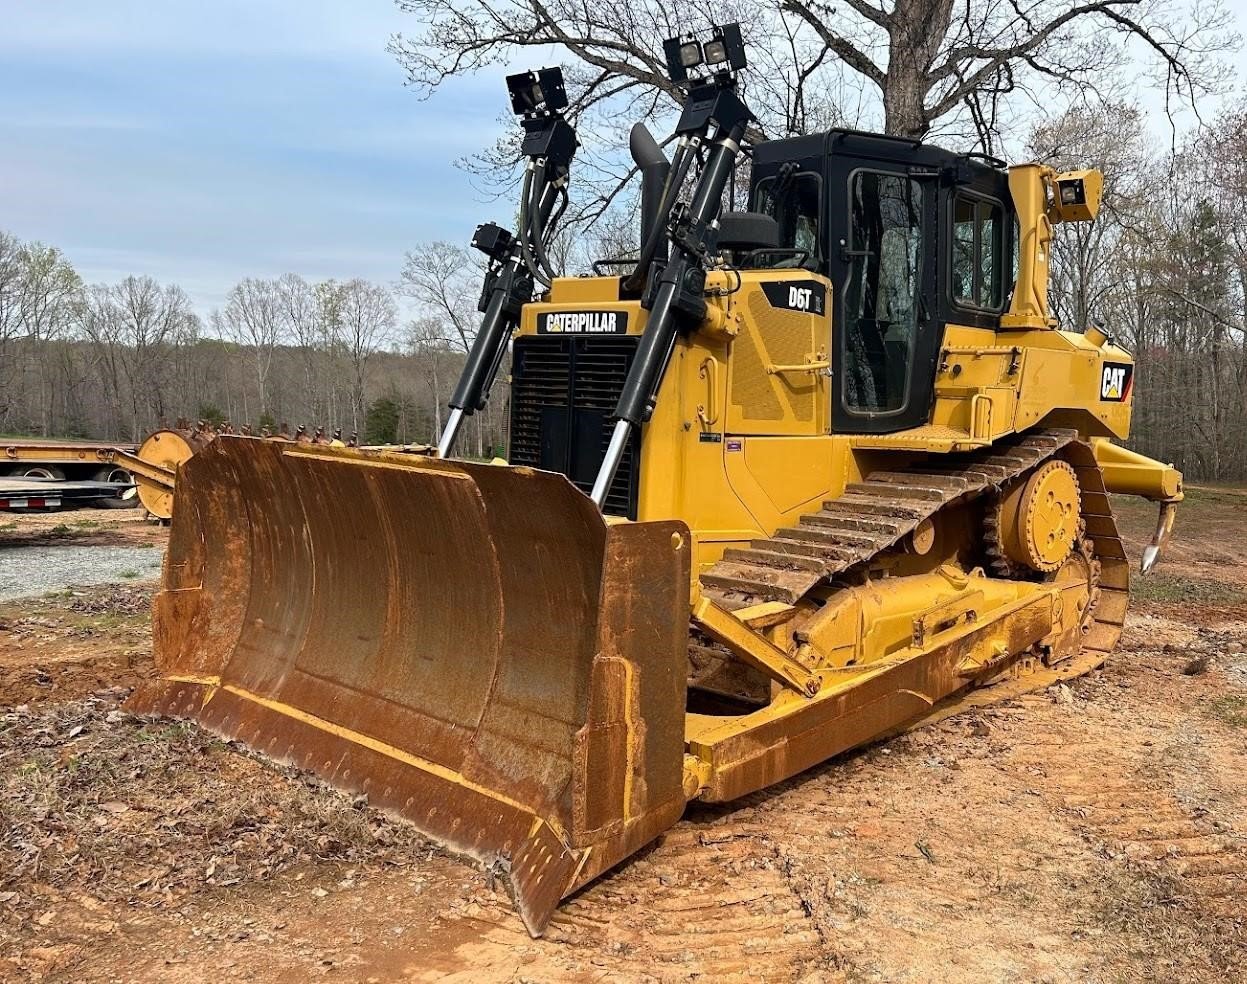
(945, 56)
(101, 323)
(368, 315)
(254, 316)
(10, 319)
(430, 346)
(48, 293)
(1109, 136)
(133, 326)
(446, 281)
(329, 298)
(924, 60)
(1226, 170)
(300, 313)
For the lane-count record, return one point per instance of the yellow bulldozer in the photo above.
(792, 478)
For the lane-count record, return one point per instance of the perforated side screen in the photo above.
(773, 337)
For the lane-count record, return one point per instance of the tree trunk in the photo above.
(903, 111)
(916, 29)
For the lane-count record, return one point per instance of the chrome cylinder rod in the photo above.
(447, 440)
(610, 464)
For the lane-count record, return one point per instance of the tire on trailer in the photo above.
(41, 471)
(115, 473)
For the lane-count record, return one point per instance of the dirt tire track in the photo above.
(713, 903)
(1150, 826)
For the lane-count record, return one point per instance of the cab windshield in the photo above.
(794, 200)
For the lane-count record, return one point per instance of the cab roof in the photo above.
(873, 146)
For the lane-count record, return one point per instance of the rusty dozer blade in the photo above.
(472, 646)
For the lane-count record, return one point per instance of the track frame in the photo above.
(989, 638)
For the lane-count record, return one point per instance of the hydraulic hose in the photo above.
(539, 227)
(526, 249)
(564, 201)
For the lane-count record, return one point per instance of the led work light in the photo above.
(537, 92)
(723, 53)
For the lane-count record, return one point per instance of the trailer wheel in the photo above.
(115, 473)
(42, 471)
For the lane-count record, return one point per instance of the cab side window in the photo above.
(794, 200)
(977, 266)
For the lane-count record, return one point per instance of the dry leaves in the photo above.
(142, 811)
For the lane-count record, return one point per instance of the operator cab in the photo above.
(912, 237)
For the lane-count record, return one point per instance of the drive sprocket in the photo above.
(1036, 522)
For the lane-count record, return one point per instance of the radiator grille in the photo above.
(563, 392)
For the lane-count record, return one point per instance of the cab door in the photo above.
(887, 335)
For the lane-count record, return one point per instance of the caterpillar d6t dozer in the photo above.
(787, 480)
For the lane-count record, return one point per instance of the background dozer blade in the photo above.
(472, 646)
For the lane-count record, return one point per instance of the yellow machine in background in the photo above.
(146, 472)
(153, 466)
(795, 478)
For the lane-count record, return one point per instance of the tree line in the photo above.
(1163, 270)
(113, 361)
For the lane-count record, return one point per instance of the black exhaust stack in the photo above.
(675, 292)
(654, 168)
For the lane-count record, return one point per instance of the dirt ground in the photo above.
(81, 528)
(1096, 832)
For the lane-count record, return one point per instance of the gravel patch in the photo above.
(34, 571)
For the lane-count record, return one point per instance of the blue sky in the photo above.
(204, 142)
